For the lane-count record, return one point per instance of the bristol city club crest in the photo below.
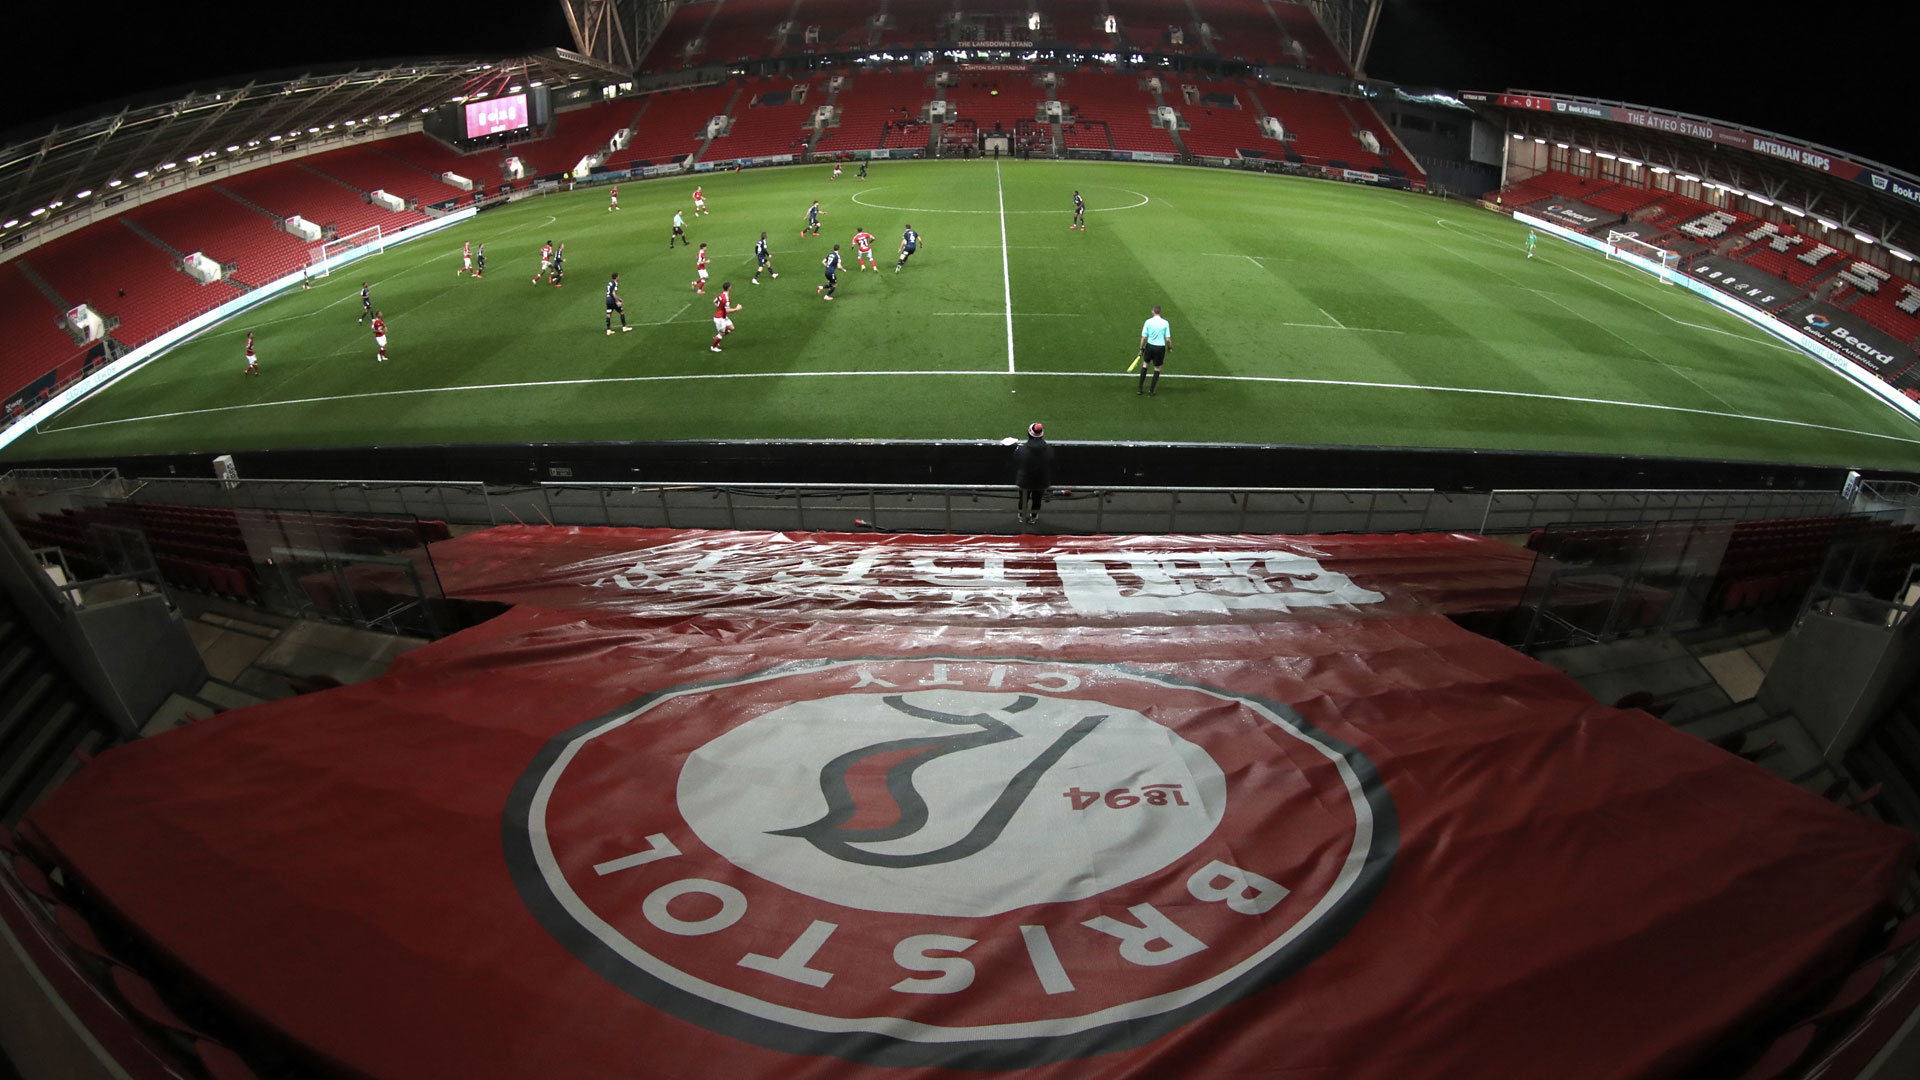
(970, 863)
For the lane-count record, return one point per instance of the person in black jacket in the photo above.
(1032, 467)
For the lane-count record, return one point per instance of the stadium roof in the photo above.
(44, 170)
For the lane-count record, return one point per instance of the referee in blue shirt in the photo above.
(1155, 336)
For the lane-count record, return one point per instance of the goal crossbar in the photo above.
(341, 250)
(1627, 248)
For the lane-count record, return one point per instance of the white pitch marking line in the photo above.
(1006, 274)
(1556, 301)
(934, 210)
(1255, 262)
(1020, 314)
(1348, 329)
(670, 318)
(1275, 379)
(996, 247)
(1333, 320)
(1445, 224)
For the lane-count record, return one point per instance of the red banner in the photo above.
(595, 845)
(896, 578)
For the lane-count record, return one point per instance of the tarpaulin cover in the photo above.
(590, 844)
(909, 578)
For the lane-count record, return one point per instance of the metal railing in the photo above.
(49, 481)
(937, 508)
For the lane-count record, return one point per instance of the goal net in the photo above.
(1630, 249)
(344, 249)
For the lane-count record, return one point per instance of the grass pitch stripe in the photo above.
(1006, 274)
(726, 376)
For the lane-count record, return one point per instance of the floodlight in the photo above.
(1794, 210)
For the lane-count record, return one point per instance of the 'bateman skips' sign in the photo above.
(1773, 146)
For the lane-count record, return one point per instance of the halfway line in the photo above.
(1006, 275)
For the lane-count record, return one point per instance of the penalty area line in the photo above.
(717, 376)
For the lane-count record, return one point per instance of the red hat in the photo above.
(1034, 430)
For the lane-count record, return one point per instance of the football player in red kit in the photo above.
(723, 307)
(700, 271)
(699, 203)
(253, 362)
(613, 199)
(380, 336)
(863, 251)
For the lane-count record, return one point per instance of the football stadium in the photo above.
(1430, 567)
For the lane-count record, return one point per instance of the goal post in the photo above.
(1633, 251)
(344, 249)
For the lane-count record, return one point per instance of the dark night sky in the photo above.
(1635, 50)
(1854, 96)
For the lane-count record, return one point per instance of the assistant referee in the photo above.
(1155, 336)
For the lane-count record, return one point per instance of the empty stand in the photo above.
(1320, 130)
(744, 29)
(366, 168)
(843, 24)
(673, 125)
(35, 342)
(1118, 101)
(1222, 122)
(202, 219)
(121, 274)
(1242, 29)
(1148, 24)
(995, 99)
(288, 189)
(1622, 199)
(911, 24)
(1306, 41)
(879, 109)
(679, 44)
(1769, 563)
(575, 134)
(1392, 158)
(773, 116)
(435, 157)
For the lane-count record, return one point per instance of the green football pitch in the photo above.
(1303, 312)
